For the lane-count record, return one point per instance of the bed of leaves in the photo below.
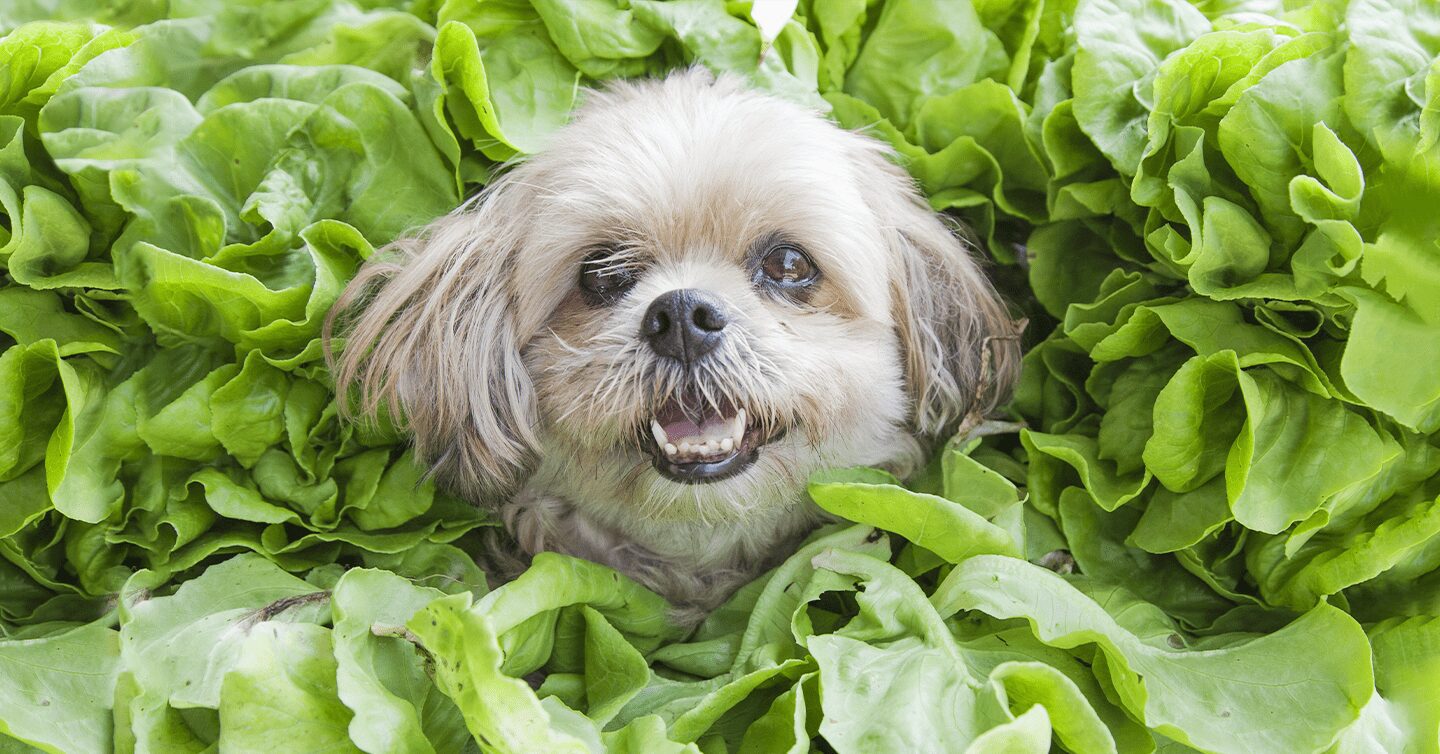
(1217, 533)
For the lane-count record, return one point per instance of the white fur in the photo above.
(527, 398)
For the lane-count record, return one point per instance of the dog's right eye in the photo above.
(603, 279)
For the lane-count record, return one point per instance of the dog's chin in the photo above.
(700, 445)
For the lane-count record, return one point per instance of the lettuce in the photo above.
(1218, 530)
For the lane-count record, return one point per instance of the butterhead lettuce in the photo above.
(1210, 523)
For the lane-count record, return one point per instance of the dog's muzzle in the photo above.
(690, 439)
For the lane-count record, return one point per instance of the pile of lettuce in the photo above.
(1218, 532)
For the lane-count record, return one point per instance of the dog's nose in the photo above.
(684, 324)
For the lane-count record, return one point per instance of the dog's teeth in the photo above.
(718, 436)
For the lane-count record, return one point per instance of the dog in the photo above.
(638, 344)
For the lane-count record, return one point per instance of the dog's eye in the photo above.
(603, 279)
(789, 266)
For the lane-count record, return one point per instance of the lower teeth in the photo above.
(710, 448)
(702, 447)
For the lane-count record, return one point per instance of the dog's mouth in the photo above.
(695, 445)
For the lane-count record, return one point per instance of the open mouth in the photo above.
(698, 445)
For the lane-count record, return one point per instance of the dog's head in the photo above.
(694, 298)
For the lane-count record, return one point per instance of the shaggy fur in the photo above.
(525, 397)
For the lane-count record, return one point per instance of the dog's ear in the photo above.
(961, 346)
(429, 335)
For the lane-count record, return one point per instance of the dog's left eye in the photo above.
(789, 266)
(603, 279)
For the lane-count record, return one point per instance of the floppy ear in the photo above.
(429, 335)
(961, 346)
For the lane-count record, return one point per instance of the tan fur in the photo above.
(526, 398)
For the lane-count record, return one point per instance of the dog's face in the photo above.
(693, 299)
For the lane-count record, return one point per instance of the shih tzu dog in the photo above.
(637, 345)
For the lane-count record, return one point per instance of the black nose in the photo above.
(684, 324)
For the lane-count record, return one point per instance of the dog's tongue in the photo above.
(677, 424)
(680, 428)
